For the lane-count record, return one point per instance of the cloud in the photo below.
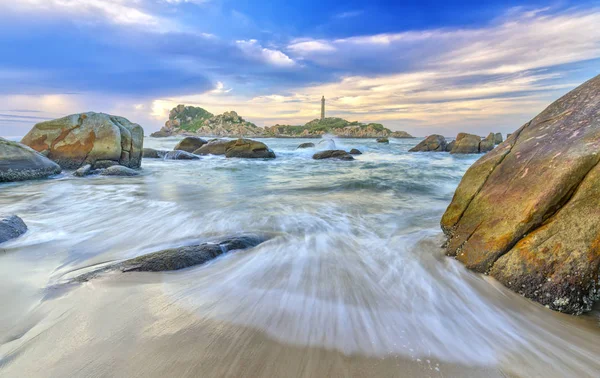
(301, 47)
(124, 12)
(348, 14)
(254, 50)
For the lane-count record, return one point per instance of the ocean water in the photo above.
(353, 283)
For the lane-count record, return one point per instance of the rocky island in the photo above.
(192, 120)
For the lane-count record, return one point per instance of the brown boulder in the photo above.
(248, 149)
(189, 144)
(85, 138)
(433, 142)
(487, 144)
(466, 144)
(528, 212)
(213, 147)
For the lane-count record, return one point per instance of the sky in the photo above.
(428, 66)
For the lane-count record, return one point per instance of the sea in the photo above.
(353, 281)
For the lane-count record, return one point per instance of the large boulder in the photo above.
(433, 142)
(248, 148)
(333, 154)
(11, 227)
(488, 143)
(213, 147)
(88, 138)
(19, 162)
(528, 212)
(190, 144)
(450, 146)
(466, 144)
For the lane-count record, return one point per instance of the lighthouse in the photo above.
(322, 107)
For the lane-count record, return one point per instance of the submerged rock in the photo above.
(190, 144)
(11, 227)
(213, 147)
(354, 151)
(151, 153)
(119, 170)
(527, 212)
(83, 171)
(466, 144)
(180, 257)
(435, 143)
(249, 149)
(382, 140)
(306, 145)
(86, 138)
(333, 154)
(19, 162)
(180, 155)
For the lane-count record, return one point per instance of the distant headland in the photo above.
(192, 120)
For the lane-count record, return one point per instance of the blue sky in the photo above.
(423, 66)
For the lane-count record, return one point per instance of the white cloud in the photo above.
(253, 49)
(309, 46)
(125, 12)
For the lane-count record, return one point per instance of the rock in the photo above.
(487, 144)
(151, 153)
(11, 227)
(101, 164)
(213, 147)
(450, 146)
(498, 138)
(180, 155)
(401, 134)
(80, 139)
(19, 162)
(382, 140)
(508, 136)
(527, 212)
(190, 144)
(354, 151)
(119, 170)
(162, 133)
(435, 142)
(306, 145)
(83, 171)
(179, 258)
(333, 154)
(466, 144)
(248, 148)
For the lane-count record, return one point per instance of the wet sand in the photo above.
(124, 326)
